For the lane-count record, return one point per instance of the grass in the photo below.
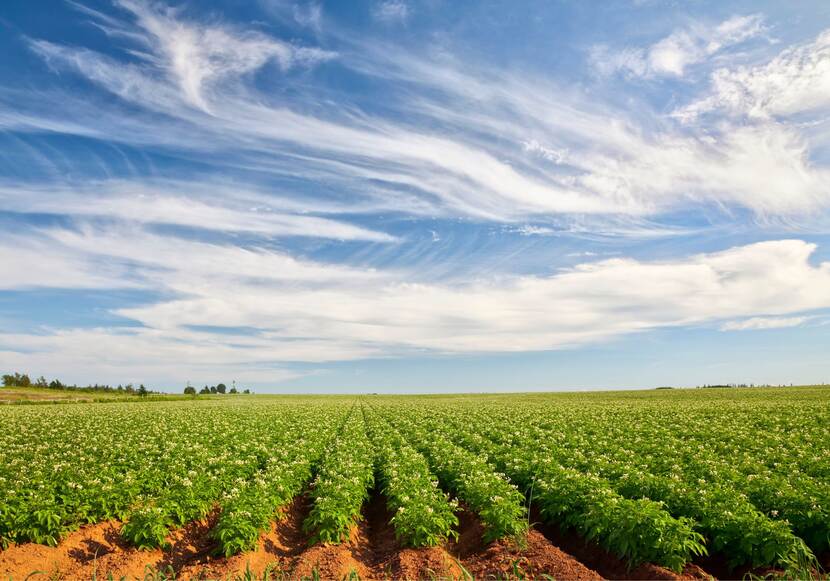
(45, 396)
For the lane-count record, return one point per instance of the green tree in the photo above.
(142, 391)
(233, 390)
(17, 380)
(190, 390)
(205, 390)
(221, 388)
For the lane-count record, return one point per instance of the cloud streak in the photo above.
(198, 57)
(146, 202)
(242, 178)
(299, 307)
(391, 11)
(526, 149)
(755, 323)
(796, 81)
(683, 48)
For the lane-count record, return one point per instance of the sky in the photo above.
(415, 195)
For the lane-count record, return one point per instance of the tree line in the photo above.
(219, 388)
(17, 379)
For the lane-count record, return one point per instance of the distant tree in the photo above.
(17, 380)
(204, 390)
(233, 390)
(190, 390)
(142, 391)
(221, 388)
(247, 392)
(56, 384)
(213, 389)
(41, 382)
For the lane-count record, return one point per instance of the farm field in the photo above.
(661, 484)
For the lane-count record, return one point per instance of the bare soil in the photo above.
(610, 566)
(372, 552)
(532, 557)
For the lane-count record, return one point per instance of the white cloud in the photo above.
(310, 15)
(309, 311)
(462, 160)
(306, 13)
(531, 230)
(37, 263)
(764, 323)
(555, 155)
(180, 264)
(391, 11)
(672, 55)
(460, 141)
(763, 167)
(199, 205)
(584, 254)
(452, 140)
(198, 57)
(796, 81)
(169, 358)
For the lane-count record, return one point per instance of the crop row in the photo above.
(422, 514)
(343, 482)
(694, 483)
(248, 511)
(639, 530)
(152, 466)
(652, 478)
(496, 500)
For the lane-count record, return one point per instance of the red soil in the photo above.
(372, 552)
(610, 566)
(96, 550)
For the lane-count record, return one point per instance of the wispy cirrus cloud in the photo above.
(198, 57)
(391, 11)
(452, 140)
(196, 205)
(755, 323)
(582, 159)
(683, 48)
(796, 81)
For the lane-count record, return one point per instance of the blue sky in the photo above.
(402, 195)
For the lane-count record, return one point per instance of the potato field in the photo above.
(654, 484)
